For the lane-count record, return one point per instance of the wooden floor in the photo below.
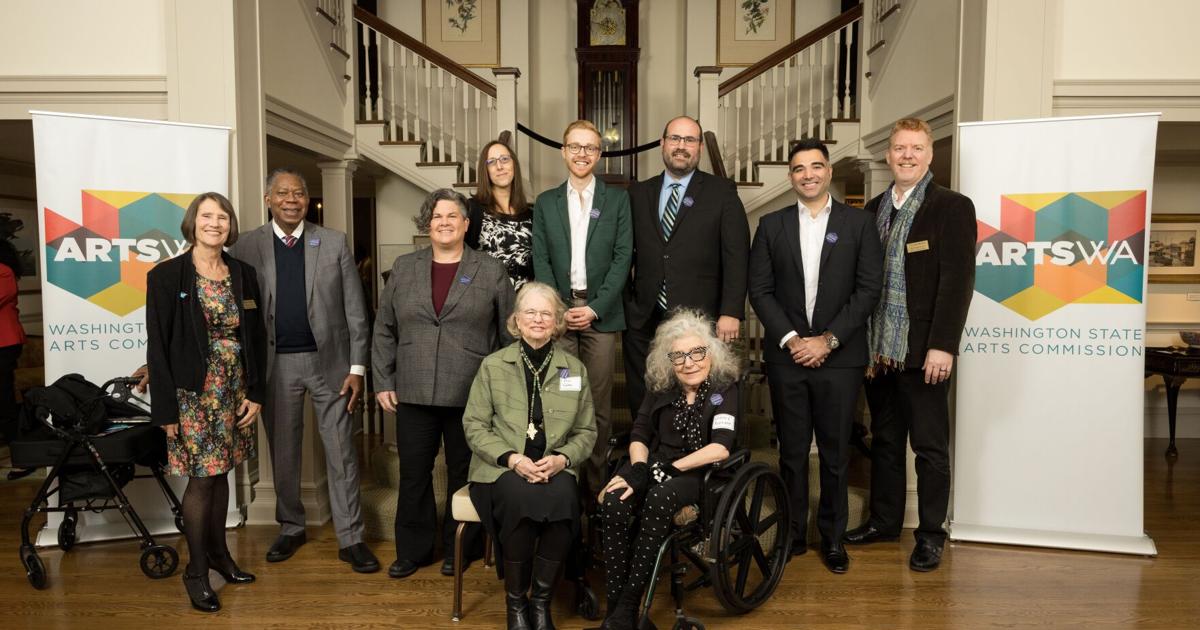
(99, 586)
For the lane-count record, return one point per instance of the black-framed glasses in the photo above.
(502, 160)
(696, 354)
(688, 140)
(574, 148)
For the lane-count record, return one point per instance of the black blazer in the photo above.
(653, 425)
(705, 260)
(941, 279)
(177, 333)
(851, 278)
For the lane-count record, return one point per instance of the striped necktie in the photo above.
(668, 224)
(289, 240)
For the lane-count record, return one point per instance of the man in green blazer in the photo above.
(583, 247)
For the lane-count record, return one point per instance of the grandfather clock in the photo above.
(607, 53)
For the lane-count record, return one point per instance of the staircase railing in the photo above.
(796, 92)
(426, 98)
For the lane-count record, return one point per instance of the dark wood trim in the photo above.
(411, 143)
(876, 47)
(338, 49)
(438, 59)
(843, 120)
(458, 164)
(499, 72)
(370, 122)
(750, 184)
(888, 13)
(714, 155)
(325, 14)
(777, 57)
(707, 70)
(506, 138)
(466, 184)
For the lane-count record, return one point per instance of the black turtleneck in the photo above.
(535, 447)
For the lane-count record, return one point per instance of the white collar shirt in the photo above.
(579, 210)
(279, 233)
(812, 241)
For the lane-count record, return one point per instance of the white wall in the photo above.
(1117, 39)
(298, 68)
(82, 37)
(396, 203)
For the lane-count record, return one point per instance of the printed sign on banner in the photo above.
(1048, 430)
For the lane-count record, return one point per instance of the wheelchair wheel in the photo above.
(159, 561)
(67, 531)
(750, 537)
(35, 571)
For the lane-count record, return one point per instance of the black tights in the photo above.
(551, 541)
(204, 507)
(628, 562)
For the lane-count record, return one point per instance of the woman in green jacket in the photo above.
(529, 419)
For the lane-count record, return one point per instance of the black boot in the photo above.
(623, 615)
(203, 597)
(545, 575)
(516, 585)
(229, 570)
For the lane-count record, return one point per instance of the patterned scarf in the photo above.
(687, 417)
(889, 324)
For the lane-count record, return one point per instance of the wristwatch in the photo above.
(831, 340)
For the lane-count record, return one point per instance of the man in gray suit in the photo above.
(318, 339)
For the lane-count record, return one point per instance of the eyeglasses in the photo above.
(534, 315)
(504, 160)
(286, 194)
(696, 354)
(575, 148)
(688, 140)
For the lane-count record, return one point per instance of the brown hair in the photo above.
(581, 124)
(188, 226)
(483, 190)
(911, 124)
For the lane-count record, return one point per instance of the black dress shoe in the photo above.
(448, 564)
(285, 546)
(360, 558)
(229, 570)
(203, 597)
(835, 557)
(926, 556)
(867, 534)
(402, 568)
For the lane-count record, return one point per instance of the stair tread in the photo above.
(411, 143)
(466, 184)
(751, 184)
(370, 122)
(843, 120)
(439, 163)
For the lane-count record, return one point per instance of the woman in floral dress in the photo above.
(207, 357)
(501, 219)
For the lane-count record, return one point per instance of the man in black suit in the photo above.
(929, 275)
(691, 246)
(816, 269)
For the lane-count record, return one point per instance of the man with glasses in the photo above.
(582, 246)
(691, 247)
(318, 337)
(816, 270)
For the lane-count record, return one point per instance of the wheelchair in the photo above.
(736, 540)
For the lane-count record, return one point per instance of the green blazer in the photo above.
(608, 256)
(497, 413)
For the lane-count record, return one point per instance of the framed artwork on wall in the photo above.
(748, 30)
(19, 226)
(467, 31)
(1172, 256)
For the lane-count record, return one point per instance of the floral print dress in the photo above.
(209, 442)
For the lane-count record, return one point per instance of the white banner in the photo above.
(1048, 430)
(111, 195)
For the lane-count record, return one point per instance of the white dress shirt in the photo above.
(812, 241)
(579, 209)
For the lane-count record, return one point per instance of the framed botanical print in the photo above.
(1172, 256)
(748, 30)
(467, 31)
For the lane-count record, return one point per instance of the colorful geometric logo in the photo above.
(1056, 249)
(105, 258)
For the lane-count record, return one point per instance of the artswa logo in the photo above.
(123, 234)
(1055, 249)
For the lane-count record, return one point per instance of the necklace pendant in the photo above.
(531, 431)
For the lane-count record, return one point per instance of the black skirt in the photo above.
(510, 498)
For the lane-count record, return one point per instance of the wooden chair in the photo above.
(464, 512)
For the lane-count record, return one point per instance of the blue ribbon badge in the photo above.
(182, 295)
(314, 242)
(831, 238)
(688, 201)
(464, 280)
(716, 399)
(564, 373)
(595, 213)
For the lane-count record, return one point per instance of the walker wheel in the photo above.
(34, 569)
(159, 561)
(67, 534)
(687, 623)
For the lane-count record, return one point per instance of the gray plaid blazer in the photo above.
(429, 359)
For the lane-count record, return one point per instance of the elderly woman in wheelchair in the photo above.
(686, 424)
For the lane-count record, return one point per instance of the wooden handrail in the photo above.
(438, 59)
(714, 155)
(777, 57)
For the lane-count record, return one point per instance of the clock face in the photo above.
(608, 23)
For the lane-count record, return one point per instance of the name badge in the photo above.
(919, 246)
(249, 304)
(570, 383)
(724, 421)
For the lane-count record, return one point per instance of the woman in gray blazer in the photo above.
(442, 311)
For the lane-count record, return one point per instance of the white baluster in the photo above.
(453, 121)
(428, 135)
(846, 113)
(737, 132)
(774, 110)
(379, 43)
(762, 118)
(837, 67)
(469, 151)
(808, 63)
(392, 125)
(365, 38)
(479, 125)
